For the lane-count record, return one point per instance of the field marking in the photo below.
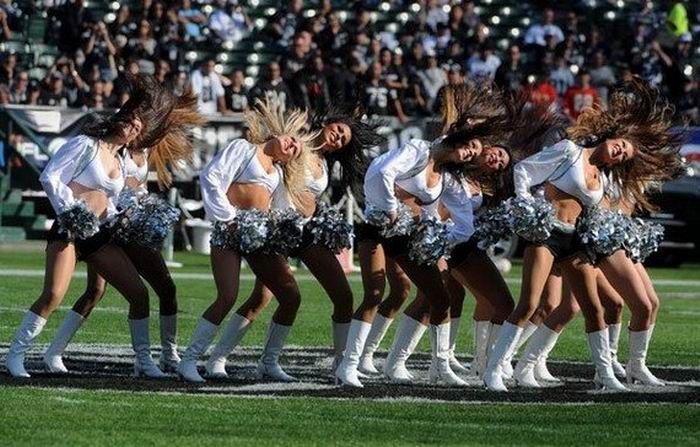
(37, 273)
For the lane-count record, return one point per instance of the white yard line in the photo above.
(33, 273)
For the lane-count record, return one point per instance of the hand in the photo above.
(393, 215)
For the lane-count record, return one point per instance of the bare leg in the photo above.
(550, 299)
(151, 266)
(537, 264)
(399, 289)
(581, 276)
(325, 267)
(226, 268)
(95, 290)
(373, 269)
(429, 279)
(624, 277)
(60, 264)
(611, 300)
(565, 312)
(651, 291)
(419, 309)
(260, 297)
(275, 274)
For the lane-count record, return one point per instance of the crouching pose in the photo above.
(237, 188)
(82, 181)
(343, 138)
(141, 237)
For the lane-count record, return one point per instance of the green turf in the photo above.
(49, 417)
(674, 343)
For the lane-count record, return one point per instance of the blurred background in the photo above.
(62, 60)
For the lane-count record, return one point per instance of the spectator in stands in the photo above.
(378, 98)
(73, 84)
(541, 91)
(18, 88)
(345, 80)
(416, 58)
(396, 73)
(414, 100)
(13, 15)
(454, 54)
(459, 30)
(178, 82)
(207, 86)
(98, 48)
(581, 96)
(511, 74)
(477, 39)
(471, 18)
(594, 44)
(72, 16)
(162, 71)
(5, 96)
(5, 32)
(571, 27)
(333, 38)
(172, 38)
(237, 93)
(561, 76)
(313, 87)
(483, 65)
(272, 86)
(296, 59)
(363, 22)
(54, 94)
(192, 18)
(675, 63)
(569, 49)
(284, 24)
(432, 78)
(123, 24)
(535, 35)
(229, 22)
(649, 19)
(602, 76)
(33, 93)
(435, 14)
(8, 68)
(142, 47)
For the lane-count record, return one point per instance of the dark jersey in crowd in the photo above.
(379, 98)
(237, 99)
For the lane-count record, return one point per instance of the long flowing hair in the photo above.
(268, 120)
(638, 113)
(352, 158)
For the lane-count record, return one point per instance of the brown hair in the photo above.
(639, 114)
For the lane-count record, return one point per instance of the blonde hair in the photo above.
(267, 121)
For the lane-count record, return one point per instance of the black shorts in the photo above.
(393, 246)
(367, 233)
(307, 240)
(83, 247)
(562, 244)
(461, 251)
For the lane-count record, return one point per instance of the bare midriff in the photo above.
(95, 199)
(568, 207)
(248, 196)
(133, 183)
(408, 199)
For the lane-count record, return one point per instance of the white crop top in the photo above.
(140, 173)
(237, 163)
(460, 203)
(561, 165)
(406, 167)
(77, 161)
(316, 186)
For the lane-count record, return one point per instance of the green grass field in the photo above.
(41, 416)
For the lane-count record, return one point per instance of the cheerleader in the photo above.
(412, 175)
(457, 101)
(143, 250)
(631, 146)
(342, 138)
(82, 181)
(237, 189)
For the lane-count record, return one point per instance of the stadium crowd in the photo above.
(324, 56)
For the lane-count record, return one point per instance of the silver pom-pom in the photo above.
(286, 231)
(650, 237)
(402, 226)
(145, 222)
(531, 218)
(78, 222)
(330, 229)
(429, 241)
(492, 225)
(605, 231)
(246, 233)
(127, 199)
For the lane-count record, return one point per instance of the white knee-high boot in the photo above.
(340, 341)
(53, 360)
(380, 326)
(600, 352)
(268, 365)
(637, 370)
(28, 331)
(455, 364)
(201, 339)
(231, 337)
(169, 358)
(481, 331)
(141, 342)
(528, 330)
(407, 337)
(440, 371)
(346, 372)
(541, 343)
(507, 339)
(614, 338)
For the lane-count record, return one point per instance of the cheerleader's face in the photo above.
(493, 159)
(336, 136)
(283, 148)
(614, 151)
(465, 152)
(131, 130)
